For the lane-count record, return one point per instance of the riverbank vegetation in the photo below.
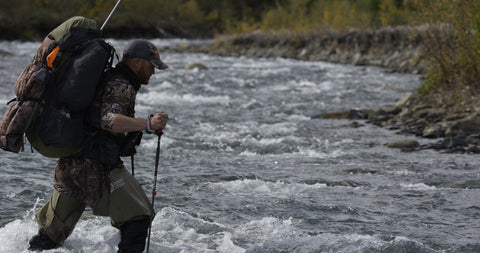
(452, 45)
(32, 18)
(452, 28)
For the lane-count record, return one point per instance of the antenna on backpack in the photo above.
(110, 15)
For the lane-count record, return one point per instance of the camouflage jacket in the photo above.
(119, 96)
(83, 177)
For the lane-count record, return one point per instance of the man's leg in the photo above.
(133, 235)
(56, 221)
(129, 209)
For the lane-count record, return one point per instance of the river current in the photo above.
(247, 166)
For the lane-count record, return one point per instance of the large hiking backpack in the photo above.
(55, 91)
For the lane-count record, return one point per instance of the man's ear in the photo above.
(134, 64)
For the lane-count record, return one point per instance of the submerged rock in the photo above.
(5, 53)
(198, 66)
(350, 114)
(451, 142)
(404, 144)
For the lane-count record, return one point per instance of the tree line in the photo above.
(452, 47)
(33, 18)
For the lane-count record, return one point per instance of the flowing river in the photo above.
(247, 167)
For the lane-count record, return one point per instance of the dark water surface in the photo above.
(245, 167)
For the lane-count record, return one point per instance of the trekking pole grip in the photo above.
(158, 132)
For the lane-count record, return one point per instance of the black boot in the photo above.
(41, 242)
(133, 235)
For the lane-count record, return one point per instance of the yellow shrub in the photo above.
(452, 44)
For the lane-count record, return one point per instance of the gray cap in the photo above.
(144, 49)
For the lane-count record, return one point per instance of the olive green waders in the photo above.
(123, 200)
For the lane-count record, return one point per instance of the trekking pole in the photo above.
(132, 160)
(110, 15)
(154, 191)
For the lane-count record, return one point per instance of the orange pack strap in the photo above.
(51, 57)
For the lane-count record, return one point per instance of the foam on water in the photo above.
(172, 230)
(419, 187)
(152, 97)
(339, 244)
(175, 231)
(309, 152)
(265, 190)
(92, 235)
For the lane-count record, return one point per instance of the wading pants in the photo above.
(123, 200)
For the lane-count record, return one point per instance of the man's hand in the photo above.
(158, 121)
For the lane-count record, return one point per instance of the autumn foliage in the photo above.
(450, 28)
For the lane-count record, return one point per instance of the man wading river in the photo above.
(96, 176)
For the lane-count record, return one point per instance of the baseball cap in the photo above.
(144, 49)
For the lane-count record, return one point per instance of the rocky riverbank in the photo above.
(451, 116)
(395, 49)
(453, 120)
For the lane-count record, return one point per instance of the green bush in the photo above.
(451, 44)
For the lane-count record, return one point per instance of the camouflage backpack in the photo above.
(55, 90)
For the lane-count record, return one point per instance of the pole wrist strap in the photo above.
(149, 129)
